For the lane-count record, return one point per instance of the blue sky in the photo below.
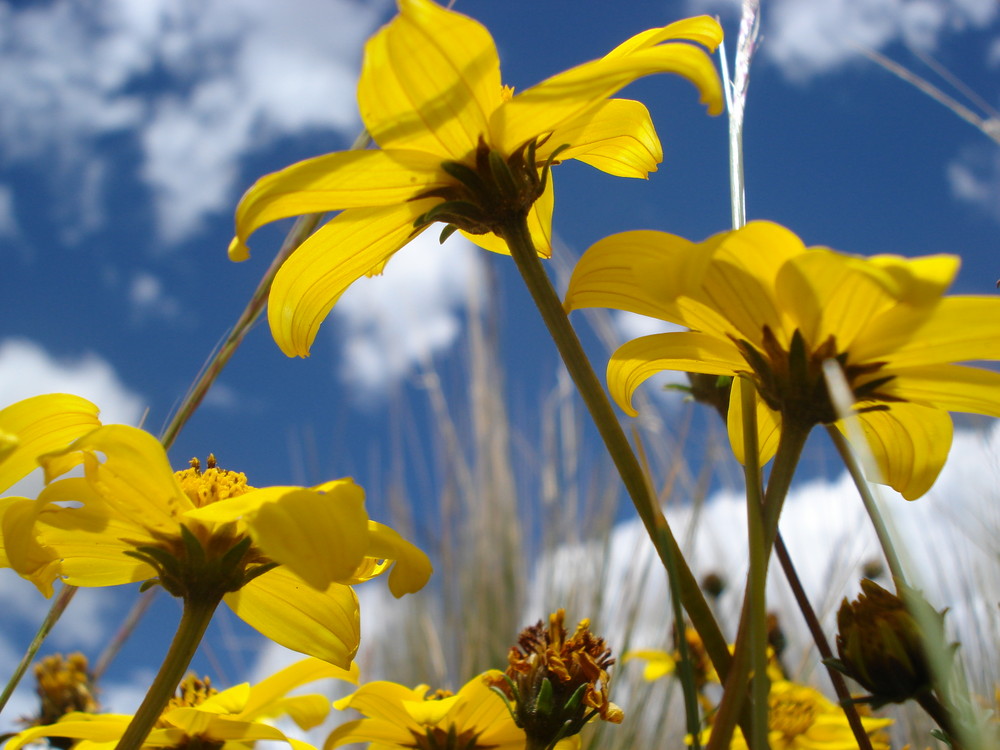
(129, 129)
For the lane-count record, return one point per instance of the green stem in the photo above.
(59, 604)
(790, 445)
(682, 581)
(194, 622)
(937, 711)
(881, 530)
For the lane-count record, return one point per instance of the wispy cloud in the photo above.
(391, 324)
(805, 38)
(198, 83)
(974, 177)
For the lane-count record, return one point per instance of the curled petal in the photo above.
(42, 424)
(909, 443)
(21, 549)
(431, 78)
(641, 358)
(569, 95)
(268, 697)
(411, 568)
(279, 604)
(309, 283)
(704, 30)
(344, 179)
(617, 137)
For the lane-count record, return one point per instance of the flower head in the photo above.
(400, 717)
(284, 557)
(455, 145)
(556, 683)
(801, 718)
(65, 686)
(199, 716)
(762, 306)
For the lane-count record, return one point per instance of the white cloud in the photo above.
(393, 323)
(974, 177)
(809, 37)
(201, 82)
(8, 220)
(149, 301)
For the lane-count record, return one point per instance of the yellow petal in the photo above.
(21, 549)
(909, 443)
(539, 225)
(956, 329)
(642, 272)
(482, 708)
(949, 387)
(430, 713)
(135, 479)
(411, 568)
(768, 426)
(382, 700)
(347, 247)
(641, 358)
(569, 95)
(345, 179)
(704, 30)
(42, 424)
(272, 689)
(616, 137)
(382, 735)
(76, 725)
(321, 534)
(430, 80)
(918, 281)
(286, 609)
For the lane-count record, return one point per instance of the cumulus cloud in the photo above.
(809, 37)
(391, 324)
(198, 83)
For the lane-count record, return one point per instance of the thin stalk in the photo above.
(790, 445)
(59, 604)
(683, 584)
(871, 506)
(757, 584)
(819, 638)
(194, 622)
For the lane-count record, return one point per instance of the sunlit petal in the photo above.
(411, 568)
(42, 424)
(78, 726)
(21, 549)
(950, 387)
(768, 425)
(641, 358)
(344, 179)
(616, 137)
(565, 96)
(909, 443)
(430, 80)
(286, 609)
(342, 251)
(704, 30)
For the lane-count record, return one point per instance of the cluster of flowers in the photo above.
(762, 311)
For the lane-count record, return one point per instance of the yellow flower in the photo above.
(801, 718)
(761, 305)
(400, 717)
(431, 97)
(131, 518)
(202, 717)
(28, 429)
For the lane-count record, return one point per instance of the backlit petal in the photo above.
(768, 425)
(382, 700)
(42, 424)
(382, 734)
(343, 250)
(345, 179)
(949, 387)
(320, 534)
(957, 329)
(76, 725)
(704, 30)
(641, 358)
(271, 691)
(430, 80)
(566, 96)
(135, 477)
(324, 624)
(411, 568)
(21, 549)
(617, 137)
(909, 443)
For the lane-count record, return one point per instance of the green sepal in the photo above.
(543, 702)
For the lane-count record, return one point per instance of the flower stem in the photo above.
(881, 530)
(59, 604)
(682, 582)
(196, 616)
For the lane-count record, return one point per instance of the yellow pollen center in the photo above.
(793, 714)
(213, 484)
(190, 693)
(64, 685)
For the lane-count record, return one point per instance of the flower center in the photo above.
(64, 685)
(793, 713)
(213, 484)
(190, 693)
